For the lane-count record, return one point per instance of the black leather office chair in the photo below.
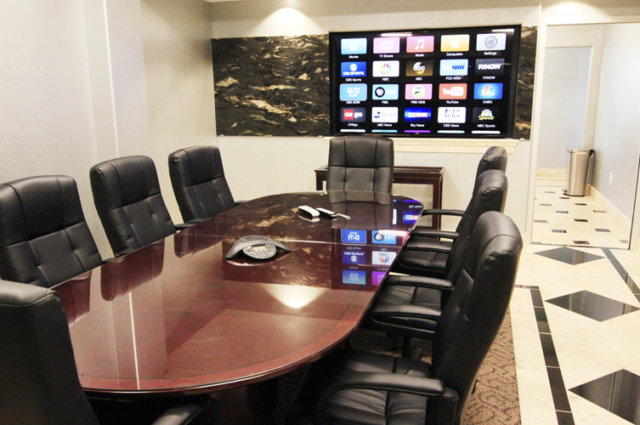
(362, 163)
(428, 258)
(356, 387)
(38, 376)
(44, 238)
(127, 195)
(495, 158)
(198, 181)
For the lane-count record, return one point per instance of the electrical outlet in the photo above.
(610, 177)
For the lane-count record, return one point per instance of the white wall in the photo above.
(258, 166)
(564, 104)
(617, 135)
(46, 118)
(178, 69)
(83, 81)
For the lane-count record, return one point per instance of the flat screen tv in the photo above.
(445, 82)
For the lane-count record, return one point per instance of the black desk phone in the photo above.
(258, 247)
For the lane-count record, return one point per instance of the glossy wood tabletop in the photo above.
(177, 317)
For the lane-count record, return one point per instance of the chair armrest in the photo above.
(419, 281)
(183, 226)
(458, 213)
(424, 244)
(433, 233)
(185, 414)
(399, 310)
(122, 253)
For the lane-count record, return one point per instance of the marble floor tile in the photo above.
(587, 413)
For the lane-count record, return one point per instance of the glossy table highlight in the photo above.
(175, 317)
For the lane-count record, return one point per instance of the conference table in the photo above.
(176, 317)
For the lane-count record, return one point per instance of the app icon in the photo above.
(382, 258)
(354, 236)
(388, 115)
(454, 67)
(452, 91)
(419, 68)
(418, 91)
(495, 41)
(383, 238)
(354, 277)
(354, 257)
(353, 114)
(386, 45)
(487, 91)
(353, 69)
(452, 115)
(490, 67)
(420, 44)
(353, 92)
(353, 46)
(409, 217)
(487, 115)
(454, 43)
(386, 68)
(377, 278)
(385, 92)
(417, 115)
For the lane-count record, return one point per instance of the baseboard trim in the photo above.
(613, 212)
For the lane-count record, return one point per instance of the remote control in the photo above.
(327, 212)
(311, 211)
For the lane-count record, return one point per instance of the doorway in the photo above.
(589, 87)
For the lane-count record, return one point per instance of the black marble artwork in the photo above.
(279, 86)
(526, 78)
(272, 86)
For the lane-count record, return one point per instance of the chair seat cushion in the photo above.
(361, 406)
(421, 263)
(390, 313)
(422, 243)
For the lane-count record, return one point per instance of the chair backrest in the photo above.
(199, 183)
(360, 163)
(495, 158)
(37, 368)
(127, 195)
(472, 318)
(489, 194)
(44, 238)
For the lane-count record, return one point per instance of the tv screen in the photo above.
(447, 82)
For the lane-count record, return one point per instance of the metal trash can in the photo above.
(579, 170)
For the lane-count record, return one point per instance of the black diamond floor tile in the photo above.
(539, 221)
(569, 255)
(558, 231)
(617, 393)
(580, 220)
(593, 306)
(581, 242)
(603, 230)
(562, 212)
